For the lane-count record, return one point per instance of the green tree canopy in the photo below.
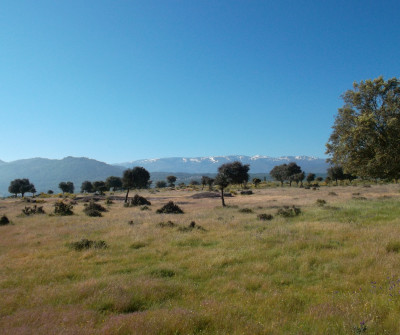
(66, 187)
(365, 140)
(236, 172)
(279, 173)
(114, 183)
(21, 186)
(138, 177)
(171, 180)
(87, 186)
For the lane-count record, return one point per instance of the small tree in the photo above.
(310, 178)
(161, 184)
(336, 173)
(66, 187)
(99, 186)
(21, 186)
(210, 183)
(135, 178)
(236, 172)
(279, 173)
(87, 186)
(256, 181)
(222, 181)
(114, 183)
(204, 181)
(171, 181)
(298, 178)
(293, 170)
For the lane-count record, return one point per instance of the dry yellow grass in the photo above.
(325, 271)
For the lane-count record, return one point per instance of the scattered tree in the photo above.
(21, 186)
(100, 187)
(335, 173)
(256, 181)
(293, 172)
(87, 186)
(171, 181)
(66, 187)
(365, 137)
(236, 172)
(161, 184)
(222, 180)
(114, 183)
(310, 178)
(204, 181)
(135, 178)
(298, 178)
(279, 173)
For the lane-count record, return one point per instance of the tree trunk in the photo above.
(222, 197)
(126, 197)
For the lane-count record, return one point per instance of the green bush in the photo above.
(62, 208)
(170, 208)
(245, 210)
(93, 209)
(4, 220)
(393, 246)
(321, 202)
(287, 211)
(265, 217)
(137, 200)
(88, 244)
(33, 210)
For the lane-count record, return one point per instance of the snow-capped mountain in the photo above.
(258, 163)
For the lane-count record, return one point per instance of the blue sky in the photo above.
(125, 80)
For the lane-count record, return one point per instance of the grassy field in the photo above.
(333, 269)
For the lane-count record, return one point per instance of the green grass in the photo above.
(333, 269)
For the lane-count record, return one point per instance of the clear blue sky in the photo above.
(125, 80)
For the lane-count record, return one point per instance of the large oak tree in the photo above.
(365, 140)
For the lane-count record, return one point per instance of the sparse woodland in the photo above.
(297, 255)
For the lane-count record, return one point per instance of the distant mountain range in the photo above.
(258, 164)
(46, 174)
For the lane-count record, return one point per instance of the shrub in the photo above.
(192, 225)
(87, 244)
(170, 208)
(137, 200)
(93, 209)
(321, 202)
(248, 192)
(92, 213)
(245, 210)
(62, 208)
(4, 220)
(33, 210)
(109, 201)
(287, 211)
(138, 245)
(332, 193)
(265, 217)
(168, 224)
(163, 273)
(145, 208)
(393, 246)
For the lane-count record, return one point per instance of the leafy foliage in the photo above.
(21, 186)
(63, 209)
(365, 137)
(4, 220)
(171, 180)
(85, 244)
(113, 183)
(66, 187)
(170, 208)
(87, 186)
